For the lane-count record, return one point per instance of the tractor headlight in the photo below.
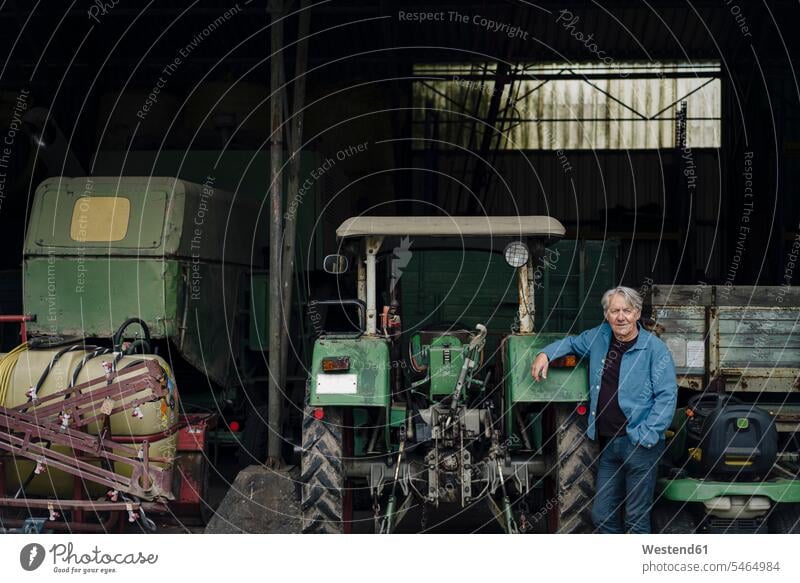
(516, 254)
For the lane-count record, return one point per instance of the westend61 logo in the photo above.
(65, 560)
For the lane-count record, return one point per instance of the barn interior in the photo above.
(663, 135)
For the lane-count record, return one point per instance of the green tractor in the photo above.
(435, 414)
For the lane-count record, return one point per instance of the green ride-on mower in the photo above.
(428, 414)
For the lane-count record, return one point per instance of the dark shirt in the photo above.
(611, 421)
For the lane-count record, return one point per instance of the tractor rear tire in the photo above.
(671, 519)
(785, 519)
(322, 473)
(575, 472)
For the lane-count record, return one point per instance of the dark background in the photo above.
(93, 75)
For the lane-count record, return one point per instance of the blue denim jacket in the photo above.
(648, 390)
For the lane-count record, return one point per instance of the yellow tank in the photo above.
(157, 417)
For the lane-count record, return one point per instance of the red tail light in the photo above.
(235, 426)
(567, 361)
(335, 363)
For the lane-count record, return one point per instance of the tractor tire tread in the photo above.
(322, 473)
(575, 473)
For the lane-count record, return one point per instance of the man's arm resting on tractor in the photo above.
(579, 345)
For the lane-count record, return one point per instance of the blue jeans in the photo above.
(626, 481)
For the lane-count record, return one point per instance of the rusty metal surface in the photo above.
(526, 305)
(82, 402)
(746, 335)
(738, 295)
(111, 524)
(194, 434)
(91, 505)
(22, 434)
(30, 435)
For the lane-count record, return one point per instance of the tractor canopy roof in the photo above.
(510, 226)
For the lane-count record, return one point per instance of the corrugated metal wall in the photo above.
(634, 107)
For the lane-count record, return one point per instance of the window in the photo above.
(100, 219)
(550, 106)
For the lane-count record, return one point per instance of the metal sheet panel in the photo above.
(749, 337)
(168, 217)
(369, 363)
(433, 226)
(192, 305)
(91, 297)
(561, 385)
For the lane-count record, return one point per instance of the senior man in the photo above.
(632, 396)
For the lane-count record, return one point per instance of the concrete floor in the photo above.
(476, 519)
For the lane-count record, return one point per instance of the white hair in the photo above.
(631, 296)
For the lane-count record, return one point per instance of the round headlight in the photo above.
(516, 254)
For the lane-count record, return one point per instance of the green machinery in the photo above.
(123, 270)
(174, 254)
(442, 411)
(734, 448)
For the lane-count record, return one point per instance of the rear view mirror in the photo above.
(336, 264)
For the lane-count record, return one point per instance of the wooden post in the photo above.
(295, 143)
(275, 403)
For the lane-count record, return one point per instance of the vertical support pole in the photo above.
(372, 244)
(275, 402)
(362, 277)
(582, 291)
(525, 290)
(547, 305)
(295, 142)
(713, 343)
(146, 464)
(532, 292)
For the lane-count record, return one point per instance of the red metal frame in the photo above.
(82, 402)
(24, 427)
(192, 464)
(21, 320)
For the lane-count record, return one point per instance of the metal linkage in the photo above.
(31, 434)
(83, 403)
(471, 361)
(145, 481)
(89, 505)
